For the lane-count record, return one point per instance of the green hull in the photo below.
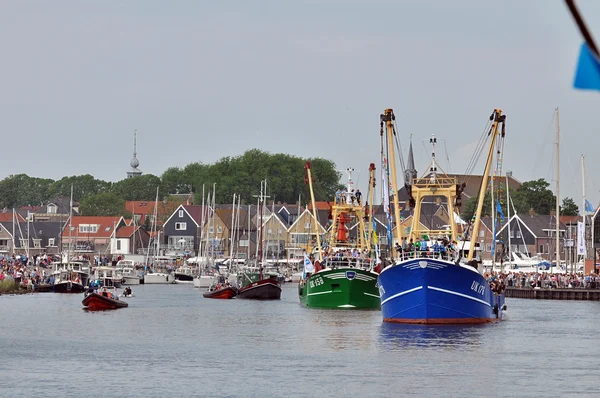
(343, 288)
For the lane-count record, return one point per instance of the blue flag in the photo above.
(499, 210)
(588, 206)
(587, 75)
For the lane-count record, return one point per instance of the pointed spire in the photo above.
(134, 161)
(411, 170)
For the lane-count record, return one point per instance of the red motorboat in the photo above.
(102, 301)
(217, 292)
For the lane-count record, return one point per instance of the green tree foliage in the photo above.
(569, 208)
(102, 204)
(175, 180)
(22, 190)
(139, 188)
(242, 175)
(538, 196)
(83, 187)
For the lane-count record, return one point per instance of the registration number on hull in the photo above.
(318, 281)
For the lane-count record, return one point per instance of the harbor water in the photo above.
(173, 342)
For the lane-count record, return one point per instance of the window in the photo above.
(72, 228)
(118, 244)
(50, 241)
(180, 226)
(307, 225)
(88, 228)
(180, 213)
(482, 233)
(512, 234)
(37, 243)
(243, 242)
(488, 247)
(518, 234)
(279, 231)
(269, 231)
(24, 242)
(219, 230)
(541, 248)
(106, 229)
(211, 230)
(52, 209)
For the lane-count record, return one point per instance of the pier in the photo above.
(553, 294)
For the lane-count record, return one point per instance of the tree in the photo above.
(83, 187)
(22, 190)
(569, 208)
(102, 204)
(175, 180)
(139, 188)
(538, 196)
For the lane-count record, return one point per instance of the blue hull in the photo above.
(426, 290)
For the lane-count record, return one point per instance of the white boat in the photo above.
(108, 276)
(130, 275)
(184, 275)
(155, 278)
(203, 281)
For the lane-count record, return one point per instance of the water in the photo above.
(173, 342)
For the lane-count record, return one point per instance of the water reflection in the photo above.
(395, 336)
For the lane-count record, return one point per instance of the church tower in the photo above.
(134, 172)
(411, 171)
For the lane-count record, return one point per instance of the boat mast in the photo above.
(388, 117)
(497, 118)
(248, 235)
(70, 225)
(231, 232)
(260, 243)
(14, 219)
(371, 190)
(557, 191)
(307, 167)
(583, 211)
(508, 215)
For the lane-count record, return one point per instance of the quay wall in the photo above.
(553, 294)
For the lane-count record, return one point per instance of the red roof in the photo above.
(321, 205)
(8, 217)
(101, 227)
(126, 232)
(145, 208)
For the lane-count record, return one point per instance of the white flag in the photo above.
(580, 239)
(308, 265)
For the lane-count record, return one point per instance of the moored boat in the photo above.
(158, 278)
(257, 287)
(104, 300)
(433, 287)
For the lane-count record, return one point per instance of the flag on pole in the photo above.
(588, 206)
(587, 75)
(580, 239)
(308, 266)
(499, 210)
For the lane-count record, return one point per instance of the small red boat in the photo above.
(227, 292)
(102, 301)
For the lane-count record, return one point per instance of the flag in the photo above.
(308, 266)
(499, 210)
(587, 75)
(588, 206)
(580, 239)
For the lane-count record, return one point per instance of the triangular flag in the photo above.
(587, 75)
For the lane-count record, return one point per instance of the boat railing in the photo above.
(439, 255)
(346, 263)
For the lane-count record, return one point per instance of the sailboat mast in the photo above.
(231, 231)
(202, 224)
(388, 117)
(70, 225)
(583, 211)
(497, 117)
(14, 219)
(557, 189)
(508, 215)
(314, 208)
(248, 234)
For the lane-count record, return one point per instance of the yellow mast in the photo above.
(497, 118)
(312, 199)
(388, 117)
(371, 189)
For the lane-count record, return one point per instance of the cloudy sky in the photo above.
(205, 79)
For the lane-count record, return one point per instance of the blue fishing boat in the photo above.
(438, 286)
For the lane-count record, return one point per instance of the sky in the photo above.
(201, 80)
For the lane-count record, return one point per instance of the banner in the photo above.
(308, 266)
(580, 239)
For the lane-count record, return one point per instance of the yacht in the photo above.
(108, 276)
(70, 277)
(130, 275)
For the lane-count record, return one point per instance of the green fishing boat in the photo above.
(343, 274)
